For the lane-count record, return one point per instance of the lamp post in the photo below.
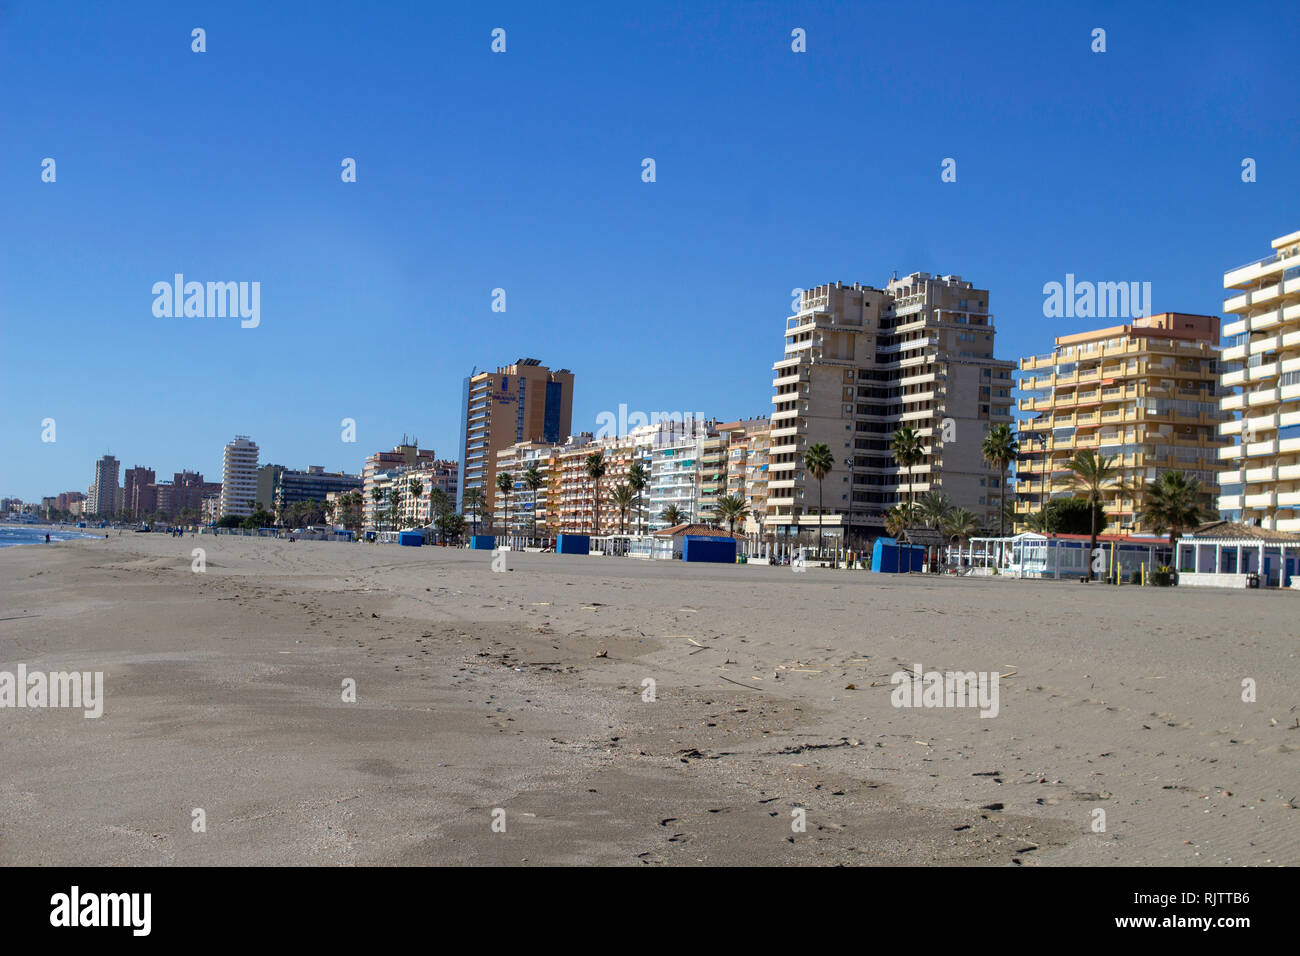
(849, 462)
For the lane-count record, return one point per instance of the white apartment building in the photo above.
(239, 477)
(1261, 385)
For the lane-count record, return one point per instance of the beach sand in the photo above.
(523, 691)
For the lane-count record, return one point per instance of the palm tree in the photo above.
(596, 468)
(908, 453)
(505, 484)
(639, 478)
(673, 516)
(623, 496)
(1095, 476)
(416, 487)
(1172, 503)
(533, 480)
(376, 496)
(960, 524)
(732, 508)
(1000, 450)
(933, 508)
(899, 518)
(1042, 521)
(394, 503)
(819, 462)
(473, 503)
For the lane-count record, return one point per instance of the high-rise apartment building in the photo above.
(140, 492)
(748, 444)
(239, 477)
(1261, 390)
(104, 493)
(1144, 396)
(525, 401)
(859, 364)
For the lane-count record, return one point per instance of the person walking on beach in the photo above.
(47, 537)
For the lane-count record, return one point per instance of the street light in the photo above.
(849, 461)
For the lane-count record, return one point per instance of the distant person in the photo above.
(47, 537)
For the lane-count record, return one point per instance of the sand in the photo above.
(522, 692)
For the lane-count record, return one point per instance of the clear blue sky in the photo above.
(523, 171)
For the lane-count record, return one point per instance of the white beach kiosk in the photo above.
(1226, 554)
(1033, 555)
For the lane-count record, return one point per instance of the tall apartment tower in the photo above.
(239, 477)
(104, 499)
(859, 364)
(525, 401)
(1144, 396)
(1261, 390)
(139, 491)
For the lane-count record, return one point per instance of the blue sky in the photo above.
(522, 171)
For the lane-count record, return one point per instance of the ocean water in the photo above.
(12, 534)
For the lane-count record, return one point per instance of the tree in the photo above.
(472, 502)
(933, 509)
(449, 525)
(1172, 503)
(638, 476)
(1095, 476)
(394, 504)
(416, 487)
(376, 496)
(623, 497)
(439, 504)
(673, 516)
(229, 521)
(908, 453)
(505, 485)
(960, 524)
(732, 508)
(819, 462)
(596, 467)
(533, 481)
(1000, 450)
(899, 518)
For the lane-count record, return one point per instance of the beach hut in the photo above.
(678, 534)
(411, 539)
(708, 548)
(573, 544)
(483, 542)
(889, 556)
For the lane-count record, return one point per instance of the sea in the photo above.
(13, 534)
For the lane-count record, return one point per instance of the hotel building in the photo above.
(1144, 394)
(525, 401)
(238, 477)
(1261, 390)
(859, 364)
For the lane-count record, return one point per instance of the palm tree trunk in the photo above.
(821, 512)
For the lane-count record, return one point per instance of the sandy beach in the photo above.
(523, 691)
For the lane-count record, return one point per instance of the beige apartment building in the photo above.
(572, 502)
(525, 401)
(748, 444)
(385, 471)
(1261, 390)
(518, 510)
(862, 362)
(1144, 394)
